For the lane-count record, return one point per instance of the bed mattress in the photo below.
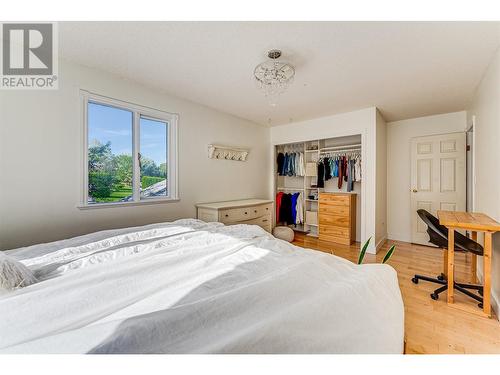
(195, 287)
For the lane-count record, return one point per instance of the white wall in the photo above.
(399, 134)
(485, 109)
(381, 181)
(41, 159)
(357, 122)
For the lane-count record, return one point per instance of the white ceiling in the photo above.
(406, 69)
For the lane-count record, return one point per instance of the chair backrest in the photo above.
(439, 235)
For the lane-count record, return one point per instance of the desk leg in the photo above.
(474, 259)
(445, 263)
(487, 273)
(451, 260)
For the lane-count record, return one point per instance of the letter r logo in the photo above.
(27, 49)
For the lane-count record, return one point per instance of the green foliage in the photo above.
(389, 254)
(110, 176)
(147, 181)
(363, 251)
(163, 169)
(100, 157)
(100, 184)
(124, 169)
(149, 168)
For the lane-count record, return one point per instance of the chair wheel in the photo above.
(441, 277)
(415, 280)
(434, 296)
(480, 291)
(480, 305)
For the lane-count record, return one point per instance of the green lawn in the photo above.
(116, 195)
(125, 191)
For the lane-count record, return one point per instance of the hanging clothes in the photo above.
(321, 175)
(280, 160)
(278, 205)
(331, 162)
(294, 207)
(350, 175)
(284, 171)
(341, 172)
(286, 209)
(326, 164)
(335, 169)
(300, 168)
(299, 219)
(344, 161)
(357, 172)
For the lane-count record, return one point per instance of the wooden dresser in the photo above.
(246, 211)
(337, 217)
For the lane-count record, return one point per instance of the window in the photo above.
(130, 153)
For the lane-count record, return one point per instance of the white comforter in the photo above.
(195, 287)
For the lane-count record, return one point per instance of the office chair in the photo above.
(439, 236)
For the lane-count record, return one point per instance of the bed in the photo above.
(194, 287)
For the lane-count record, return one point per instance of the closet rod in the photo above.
(340, 151)
(294, 189)
(346, 147)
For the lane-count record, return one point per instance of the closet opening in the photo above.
(318, 188)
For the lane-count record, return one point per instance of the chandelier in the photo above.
(273, 76)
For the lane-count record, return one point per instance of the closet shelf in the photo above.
(294, 189)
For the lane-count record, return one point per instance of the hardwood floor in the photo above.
(431, 327)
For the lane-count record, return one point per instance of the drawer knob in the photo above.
(267, 208)
(255, 211)
(246, 213)
(227, 215)
(265, 220)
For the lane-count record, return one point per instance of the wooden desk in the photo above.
(475, 222)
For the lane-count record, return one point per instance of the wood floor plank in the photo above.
(431, 327)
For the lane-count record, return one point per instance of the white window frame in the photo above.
(138, 111)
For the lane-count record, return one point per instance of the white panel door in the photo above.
(438, 178)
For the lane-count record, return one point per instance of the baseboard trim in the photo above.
(398, 237)
(380, 243)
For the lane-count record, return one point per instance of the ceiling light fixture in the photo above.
(273, 76)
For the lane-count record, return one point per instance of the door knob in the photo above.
(415, 190)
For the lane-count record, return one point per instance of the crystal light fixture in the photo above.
(273, 76)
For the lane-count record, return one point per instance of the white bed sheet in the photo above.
(195, 287)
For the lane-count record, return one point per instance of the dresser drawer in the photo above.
(233, 215)
(332, 231)
(334, 199)
(335, 239)
(335, 220)
(333, 209)
(264, 221)
(264, 209)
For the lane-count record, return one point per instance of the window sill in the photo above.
(145, 202)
